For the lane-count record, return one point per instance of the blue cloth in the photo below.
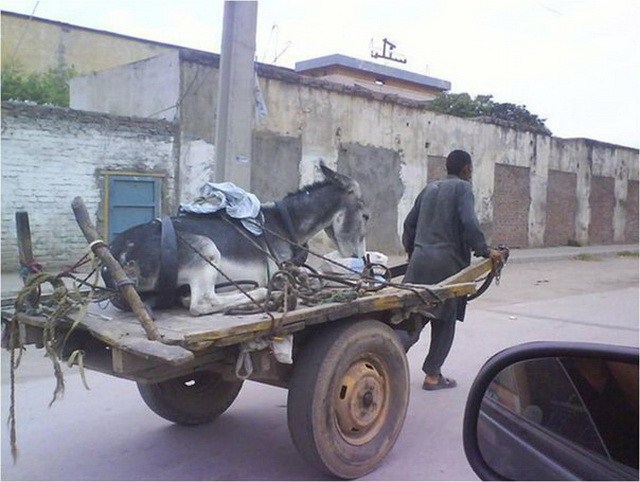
(234, 200)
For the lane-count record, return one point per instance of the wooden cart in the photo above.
(348, 383)
(343, 363)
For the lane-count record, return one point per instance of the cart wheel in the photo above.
(348, 398)
(191, 400)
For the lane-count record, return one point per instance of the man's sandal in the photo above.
(443, 382)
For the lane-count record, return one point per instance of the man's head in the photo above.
(459, 164)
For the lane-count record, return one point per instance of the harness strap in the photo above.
(286, 218)
(299, 254)
(168, 276)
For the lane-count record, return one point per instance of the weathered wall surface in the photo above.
(279, 156)
(42, 44)
(159, 75)
(393, 146)
(511, 166)
(631, 207)
(376, 169)
(50, 155)
(198, 100)
(437, 167)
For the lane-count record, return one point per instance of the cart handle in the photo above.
(123, 282)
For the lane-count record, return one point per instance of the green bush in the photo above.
(462, 105)
(51, 87)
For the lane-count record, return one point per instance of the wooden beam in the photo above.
(469, 274)
(25, 250)
(122, 280)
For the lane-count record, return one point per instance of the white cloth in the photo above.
(236, 201)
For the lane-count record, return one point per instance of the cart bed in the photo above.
(187, 340)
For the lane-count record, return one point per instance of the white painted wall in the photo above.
(50, 155)
(197, 167)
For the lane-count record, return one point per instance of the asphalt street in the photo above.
(108, 433)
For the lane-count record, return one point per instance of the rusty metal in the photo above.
(361, 404)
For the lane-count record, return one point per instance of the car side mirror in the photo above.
(555, 411)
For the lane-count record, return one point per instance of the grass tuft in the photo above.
(587, 257)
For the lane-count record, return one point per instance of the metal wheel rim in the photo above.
(361, 401)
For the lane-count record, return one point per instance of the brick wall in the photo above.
(511, 199)
(601, 202)
(561, 208)
(50, 155)
(631, 224)
(436, 168)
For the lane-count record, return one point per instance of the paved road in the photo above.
(109, 434)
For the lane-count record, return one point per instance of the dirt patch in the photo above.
(523, 282)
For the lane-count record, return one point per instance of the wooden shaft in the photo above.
(470, 273)
(25, 251)
(116, 271)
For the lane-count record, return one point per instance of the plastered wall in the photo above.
(393, 146)
(50, 155)
(39, 45)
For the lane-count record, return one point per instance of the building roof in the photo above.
(88, 29)
(372, 68)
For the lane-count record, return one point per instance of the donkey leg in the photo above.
(196, 270)
(201, 277)
(204, 299)
(218, 303)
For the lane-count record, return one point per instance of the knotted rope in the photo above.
(57, 307)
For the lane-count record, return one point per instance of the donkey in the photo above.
(208, 245)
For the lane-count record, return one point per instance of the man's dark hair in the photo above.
(456, 160)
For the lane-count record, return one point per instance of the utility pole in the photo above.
(236, 93)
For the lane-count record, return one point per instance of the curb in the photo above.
(587, 253)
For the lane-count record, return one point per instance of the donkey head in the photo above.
(348, 226)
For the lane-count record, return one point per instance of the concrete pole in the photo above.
(235, 93)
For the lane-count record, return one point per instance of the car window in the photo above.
(609, 391)
(542, 392)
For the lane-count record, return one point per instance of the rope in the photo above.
(77, 357)
(244, 365)
(98, 243)
(366, 283)
(355, 272)
(14, 344)
(234, 283)
(62, 302)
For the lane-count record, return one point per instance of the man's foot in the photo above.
(437, 382)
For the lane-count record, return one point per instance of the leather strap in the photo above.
(299, 254)
(168, 276)
(286, 218)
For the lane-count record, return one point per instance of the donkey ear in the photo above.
(327, 172)
(331, 175)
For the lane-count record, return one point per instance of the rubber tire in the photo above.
(194, 399)
(312, 410)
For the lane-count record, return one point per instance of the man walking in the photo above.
(439, 233)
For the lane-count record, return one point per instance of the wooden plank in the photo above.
(173, 354)
(383, 300)
(469, 274)
(127, 336)
(23, 231)
(183, 334)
